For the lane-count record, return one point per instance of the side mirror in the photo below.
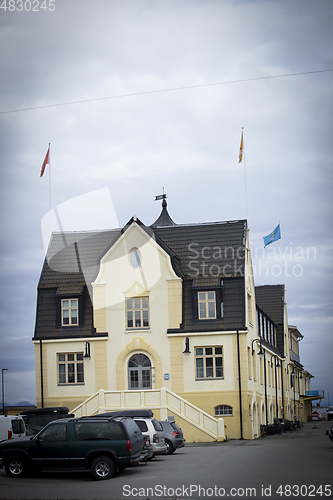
(326, 433)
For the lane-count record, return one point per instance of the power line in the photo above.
(134, 94)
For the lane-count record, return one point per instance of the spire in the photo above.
(164, 219)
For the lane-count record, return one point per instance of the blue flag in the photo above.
(273, 236)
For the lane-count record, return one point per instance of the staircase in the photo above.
(163, 400)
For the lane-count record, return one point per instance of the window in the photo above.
(54, 433)
(249, 305)
(85, 431)
(137, 313)
(135, 258)
(206, 305)
(223, 410)
(70, 368)
(249, 360)
(69, 312)
(208, 362)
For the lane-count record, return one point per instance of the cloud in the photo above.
(185, 141)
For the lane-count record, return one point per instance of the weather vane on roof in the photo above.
(161, 196)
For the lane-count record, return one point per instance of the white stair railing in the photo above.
(154, 399)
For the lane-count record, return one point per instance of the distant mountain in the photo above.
(20, 403)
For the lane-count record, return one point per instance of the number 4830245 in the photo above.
(27, 5)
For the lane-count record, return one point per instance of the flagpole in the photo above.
(242, 159)
(247, 205)
(50, 201)
(50, 204)
(283, 272)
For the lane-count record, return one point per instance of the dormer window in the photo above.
(206, 305)
(69, 312)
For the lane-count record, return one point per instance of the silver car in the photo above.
(154, 429)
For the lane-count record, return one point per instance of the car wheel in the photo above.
(15, 466)
(103, 468)
(169, 448)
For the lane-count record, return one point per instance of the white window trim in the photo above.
(141, 309)
(206, 301)
(66, 362)
(69, 309)
(224, 414)
(205, 356)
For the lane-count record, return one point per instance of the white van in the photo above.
(11, 427)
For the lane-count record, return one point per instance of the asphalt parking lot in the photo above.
(297, 464)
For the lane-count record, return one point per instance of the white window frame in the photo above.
(71, 307)
(137, 309)
(205, 300)
(70, 374)
(223, 411)
(208, 362)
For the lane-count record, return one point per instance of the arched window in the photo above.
(223, 410)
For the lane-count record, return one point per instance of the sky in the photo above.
(140, 96)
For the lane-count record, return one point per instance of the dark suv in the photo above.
(101, 445)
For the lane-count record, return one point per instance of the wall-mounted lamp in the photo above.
(258, 339)
(87, 351)
(277, 363)
(187, 346)
(261, 353)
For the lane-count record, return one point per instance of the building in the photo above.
(164, 316)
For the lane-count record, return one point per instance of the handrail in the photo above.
(162, 399)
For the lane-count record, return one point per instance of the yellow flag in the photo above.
(241, 150)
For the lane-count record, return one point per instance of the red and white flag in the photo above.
(45, 162)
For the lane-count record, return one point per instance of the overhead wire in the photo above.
(172, 89)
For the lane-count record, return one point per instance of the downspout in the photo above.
(276, 391)
(239, 388)
(282, 390)
(41, 373)
(265, 380)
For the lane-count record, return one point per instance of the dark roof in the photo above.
(202, 254)
(270, 299)
(207, 251)
(73, 259)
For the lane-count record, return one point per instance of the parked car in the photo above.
(148, 446)
(36, 419)
(147, 424)
(330, 413)
(154, 429)
(330, 433)
(103, 446)
(173, 436)
(11, 427)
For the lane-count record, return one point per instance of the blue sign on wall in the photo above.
(312, 393)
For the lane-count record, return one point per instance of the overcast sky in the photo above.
(180, 79)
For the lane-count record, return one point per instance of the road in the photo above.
(297, 464)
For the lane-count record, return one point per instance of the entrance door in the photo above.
(139, 372)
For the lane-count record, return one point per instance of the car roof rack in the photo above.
(52, 409)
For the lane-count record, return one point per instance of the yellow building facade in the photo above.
(162, 317)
